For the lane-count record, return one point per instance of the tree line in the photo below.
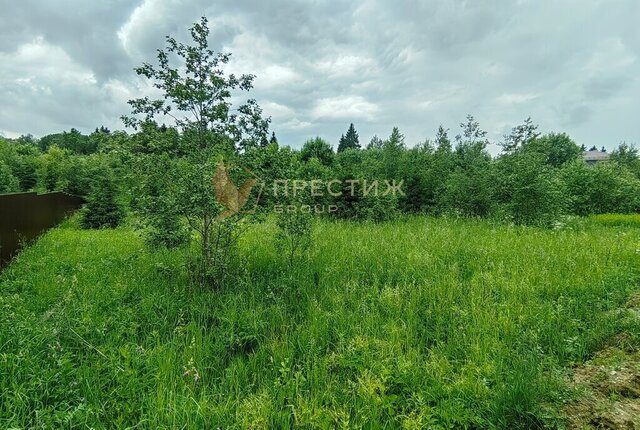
(535, 180)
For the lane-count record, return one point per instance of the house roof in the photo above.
(595, 156)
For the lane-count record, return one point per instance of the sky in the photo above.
(572, 65)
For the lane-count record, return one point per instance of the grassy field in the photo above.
(413, 324)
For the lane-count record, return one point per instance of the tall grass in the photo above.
(410, 324)
(616, 220)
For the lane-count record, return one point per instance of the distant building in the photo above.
(594, 156)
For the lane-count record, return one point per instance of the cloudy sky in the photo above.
(572, 65)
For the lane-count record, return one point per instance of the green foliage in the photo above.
(350, 140)
(558, 149)
(375, 143)
(416, 323)
(536, 180)
(25, 169)
(54, 166)
(154, 201)
(103, 209)
(603, 188)
(469, 190)
(207, 128)
(616, 220)
(521, 136)
(166, 230)
(294, 235)
(21, 161)
(78, 177)
(317, 148)
(532, 192)
(420, 180)
(374, 208)
(273, 163)
(197, 92)
(627, 156)
(273, 140)
(8, 182)
(73, 141)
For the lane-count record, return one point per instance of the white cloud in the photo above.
(345, 107)
(512, 99)
(276, 110)
(345, 66)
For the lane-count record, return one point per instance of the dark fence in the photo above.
(24, 216)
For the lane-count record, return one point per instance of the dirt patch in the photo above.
(612, 393)
(610, 383)
(634, 302)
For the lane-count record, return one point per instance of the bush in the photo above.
(530, 190)
(166, 230)
(468, 194)
(294, 234)
(8, 182)
(600, 189)
(377, 208)
(103, 209)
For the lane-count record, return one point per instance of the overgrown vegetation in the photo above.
(415, 323)
(458, 302)
(536, 182)
(103, 210)
(617, 220)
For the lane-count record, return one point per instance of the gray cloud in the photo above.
(571, 65)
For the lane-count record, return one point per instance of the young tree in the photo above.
(417, 166)
(472, 134)
(531, 191)
(396, 139)
(556, 148)
(197, 102)
(54, 165)
(469, 189)
(350, 140)
(442, 142)
(627, 155)
(294, 234)
(318, 148)
(103, 210)
(274, 139)
(26, 166)
(8, 182)
(443, 166)
(520, 136)
(392, 151)
(375, 143)
(603, 188)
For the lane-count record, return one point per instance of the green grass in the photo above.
(410, 324)
(616, 220)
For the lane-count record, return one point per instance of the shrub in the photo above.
(294, 234)
(531, 191)
(166, 230)
(103, 209)
(604, 188)
(8, 182)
